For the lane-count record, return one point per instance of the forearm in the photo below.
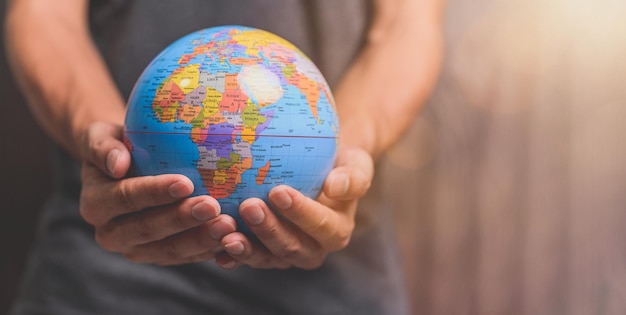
(59, 70)
(393, 76)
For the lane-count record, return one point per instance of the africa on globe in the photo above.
(236, 109)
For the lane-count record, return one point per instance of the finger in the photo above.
(226, 262)
(351, 177)
(105, 149)
(242, 251)
(332, 229)
(180, 247)
(102, 199)
(157, 223)
(280, 237)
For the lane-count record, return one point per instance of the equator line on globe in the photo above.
(236, 109)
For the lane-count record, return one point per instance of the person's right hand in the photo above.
(148, 219)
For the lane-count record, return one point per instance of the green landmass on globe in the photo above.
(238, 110)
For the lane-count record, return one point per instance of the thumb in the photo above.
(352, 175)
(104, 148)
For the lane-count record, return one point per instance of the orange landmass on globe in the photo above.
(309, 88)
(165, 103)
(188, 112)
(221, 183)
(198, 135)
(244, 61)
(263, 170)
(234, 100)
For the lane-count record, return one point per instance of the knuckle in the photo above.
(363, 179)
(344, 237)
(159, 195)
(289, 250)
(178, 220)
(170, 251)
(103, 239)
(267, 231)
(341, 239)
(144, 230)
(321, 223)
(203, 239)
(124, 195)
(342, 242)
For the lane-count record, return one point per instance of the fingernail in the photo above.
(221, 228)
(281, 199)
(230, 265)
(112, 158)
(203, 211)
(234, 248)
(339, 185)
(253, 214)
(178, 189)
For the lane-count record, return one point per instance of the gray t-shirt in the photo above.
(69, 274)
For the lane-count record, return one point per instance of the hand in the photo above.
(147, 219)
(309, 229)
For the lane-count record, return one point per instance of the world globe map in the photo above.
(237, 110)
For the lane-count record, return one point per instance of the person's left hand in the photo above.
(309, 229)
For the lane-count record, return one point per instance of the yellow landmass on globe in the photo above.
(187, 77)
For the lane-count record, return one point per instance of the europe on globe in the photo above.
(236, 109)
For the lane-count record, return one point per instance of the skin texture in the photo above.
(150, 219)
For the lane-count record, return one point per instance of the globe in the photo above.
(237, 110)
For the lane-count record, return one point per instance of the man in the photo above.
(76, 62)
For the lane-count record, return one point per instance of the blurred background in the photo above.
(25, 178)
(510, 187)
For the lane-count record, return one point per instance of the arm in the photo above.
(397, 68)
(62, 75)
(383, 90)
(72, 95)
